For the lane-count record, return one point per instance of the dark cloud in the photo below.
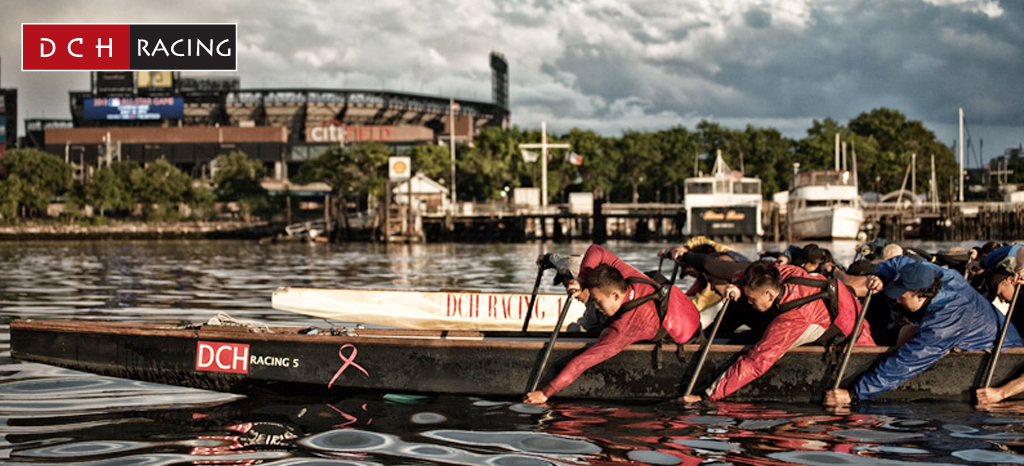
(757, 18)
(610, 65)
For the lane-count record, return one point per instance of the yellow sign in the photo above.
(399, 168)
(161, 79)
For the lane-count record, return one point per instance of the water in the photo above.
(56, 416)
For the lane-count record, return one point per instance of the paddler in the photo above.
(806, 310)
(633, 302)
(953, 315)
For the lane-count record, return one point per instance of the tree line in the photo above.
(638, 166)
(651, 166)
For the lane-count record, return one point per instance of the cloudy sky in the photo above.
(611, 65)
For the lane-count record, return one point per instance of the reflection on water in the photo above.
(56, 416)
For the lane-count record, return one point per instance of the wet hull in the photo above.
(233, 359)
(827, 223)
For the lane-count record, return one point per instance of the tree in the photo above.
(642, 156)
(433, 161)
(896, 138)
(159, 187)
(357, 170)
(766, 153)
(678, 146)
(106, 189)
(601, 161)
(42, 176)
(238, 179)
(484, 169)
(10, 197)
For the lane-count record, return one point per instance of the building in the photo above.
(191, 120)
(8, 119)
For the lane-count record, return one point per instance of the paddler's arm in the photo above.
(859, 283)
(611, 342)
(991, 395)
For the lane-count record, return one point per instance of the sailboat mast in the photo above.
(837, 150)
(962, 168)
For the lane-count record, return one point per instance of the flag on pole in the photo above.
(574, 158)
(529, 156)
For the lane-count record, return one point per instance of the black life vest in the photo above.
(833, 336)
(829, 294)
(662, 290)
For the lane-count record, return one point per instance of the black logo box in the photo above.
(156, 58)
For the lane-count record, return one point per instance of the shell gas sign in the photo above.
(334, 131)
(399, 168)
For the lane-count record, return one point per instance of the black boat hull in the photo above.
(233, 359)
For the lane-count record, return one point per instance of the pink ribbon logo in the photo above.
(349, 361)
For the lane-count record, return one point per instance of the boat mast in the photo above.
(853, 154)
(961, 140)
(837, 150)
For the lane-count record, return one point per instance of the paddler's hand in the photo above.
(988, 396)
(573, 287)
(535, 398)
(678, 252)
(874, 284)
(732, 292)
(837, 397)
(689, 399)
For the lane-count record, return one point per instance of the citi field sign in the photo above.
(129, 47)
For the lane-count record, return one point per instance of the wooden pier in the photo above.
(502, 222)
(960, 221)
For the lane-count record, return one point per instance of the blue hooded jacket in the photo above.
(997, 255)
(958, 317)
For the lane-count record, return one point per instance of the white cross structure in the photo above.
(544, 146)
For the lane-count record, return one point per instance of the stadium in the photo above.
(190, 121)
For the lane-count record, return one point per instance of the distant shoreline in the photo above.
(140, 230)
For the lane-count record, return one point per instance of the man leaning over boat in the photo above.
(809, 310)
(632, 302)
(954, 315)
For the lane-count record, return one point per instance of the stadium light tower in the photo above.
(452, 107)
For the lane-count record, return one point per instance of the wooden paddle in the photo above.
(533, 297)
(551, 344)
(1002, 338)
(675, 272)
(854, 335)
(707, 347)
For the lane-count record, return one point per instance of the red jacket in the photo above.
(682, 320)
(784, 331)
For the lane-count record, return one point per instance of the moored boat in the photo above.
(825, 204)
(724, 204)
(496, 364)
(427, 310)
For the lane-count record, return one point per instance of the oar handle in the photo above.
(533, 297)
(1002, 338)
(675, 273)
(551, 343)
(854, 335)
(707, 347)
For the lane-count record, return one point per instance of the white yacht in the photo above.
(825, 204)
(725, 204)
